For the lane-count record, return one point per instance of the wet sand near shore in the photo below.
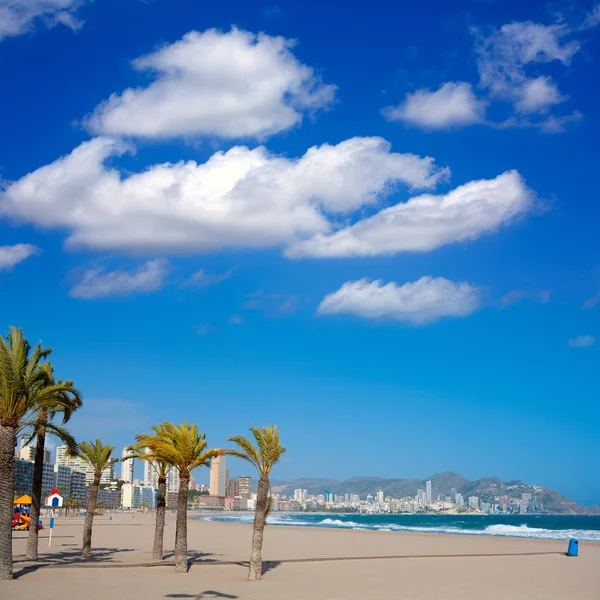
(302, 563)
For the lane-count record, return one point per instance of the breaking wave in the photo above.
(420, 524)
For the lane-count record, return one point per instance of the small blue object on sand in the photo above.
(573, 548)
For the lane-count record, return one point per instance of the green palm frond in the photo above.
(28, 390)
(181, 446)
(97, 455)
(264, 454)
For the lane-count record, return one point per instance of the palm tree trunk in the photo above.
(36, 495)
(181, 558)
(260, 518)
(159, 530)
(8, 442)
(89, 517)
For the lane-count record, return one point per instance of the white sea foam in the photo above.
(523, 531)
(338, 523)
(587, 535)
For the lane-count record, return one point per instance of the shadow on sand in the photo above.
(69, 558)
(202, 595)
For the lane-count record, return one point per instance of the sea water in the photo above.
(547, 527)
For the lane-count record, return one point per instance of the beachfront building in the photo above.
(173, 480)
(27, 451)
(150, 474)
(428, 495)
(474, 502)
(380, 496)
(244, 487)
(78, 464)
(71, 483)
(127, 465)
(218, 477)
(134, 496)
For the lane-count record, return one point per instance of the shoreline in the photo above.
(519, 532)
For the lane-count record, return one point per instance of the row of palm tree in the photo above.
(185, 448)
(30, 402)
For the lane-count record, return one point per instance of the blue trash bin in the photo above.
(573, 548)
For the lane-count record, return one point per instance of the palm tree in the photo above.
(61, 397)
(184, 448)
(145, 449)
(263, 456)
(19, 405)
(98, 457)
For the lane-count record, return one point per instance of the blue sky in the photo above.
(374, 225)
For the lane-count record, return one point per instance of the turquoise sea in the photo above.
(547, 527)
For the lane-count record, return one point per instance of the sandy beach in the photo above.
(304, 563)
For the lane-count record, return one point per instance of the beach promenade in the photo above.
(302, 563)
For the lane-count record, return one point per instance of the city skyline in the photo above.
(392, 241)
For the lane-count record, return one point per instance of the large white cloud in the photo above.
(232, 85)
(417, 302)
(99, 283)
(18, 16)
(452, 105)
(427, 221)
(238, 198)
(13, 255)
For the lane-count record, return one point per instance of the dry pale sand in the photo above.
(355, 564)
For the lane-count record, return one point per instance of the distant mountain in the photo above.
(441, 483)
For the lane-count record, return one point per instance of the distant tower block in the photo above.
(218, 477)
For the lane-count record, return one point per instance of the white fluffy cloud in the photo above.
(238, 198)
(231, 85)
(417, 302)
(98, 283)
(504, 57)
(454, 104)
(13, 255)
(18, 16)
(427, 222)
(582, 341)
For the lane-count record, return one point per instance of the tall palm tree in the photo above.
(145, 449)
(98, 456)
(263, 456)
(63, 398)
(19, 376)
(183, 447)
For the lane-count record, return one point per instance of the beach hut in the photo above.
(54, 500)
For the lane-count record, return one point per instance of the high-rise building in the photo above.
(150, 473)
(428, 490)
(61, 456)
(458, 500)
(27, 451)
(218, 477)
(172, 480)
(380, 496)
(245, 484)
(127, 465)
(78, 464)
(474, 502)
(133, 496)
(233, 488)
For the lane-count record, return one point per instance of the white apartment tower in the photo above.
(127, 465)
(218, 477)
(150, 474)
(27, 452)
(428, 497)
